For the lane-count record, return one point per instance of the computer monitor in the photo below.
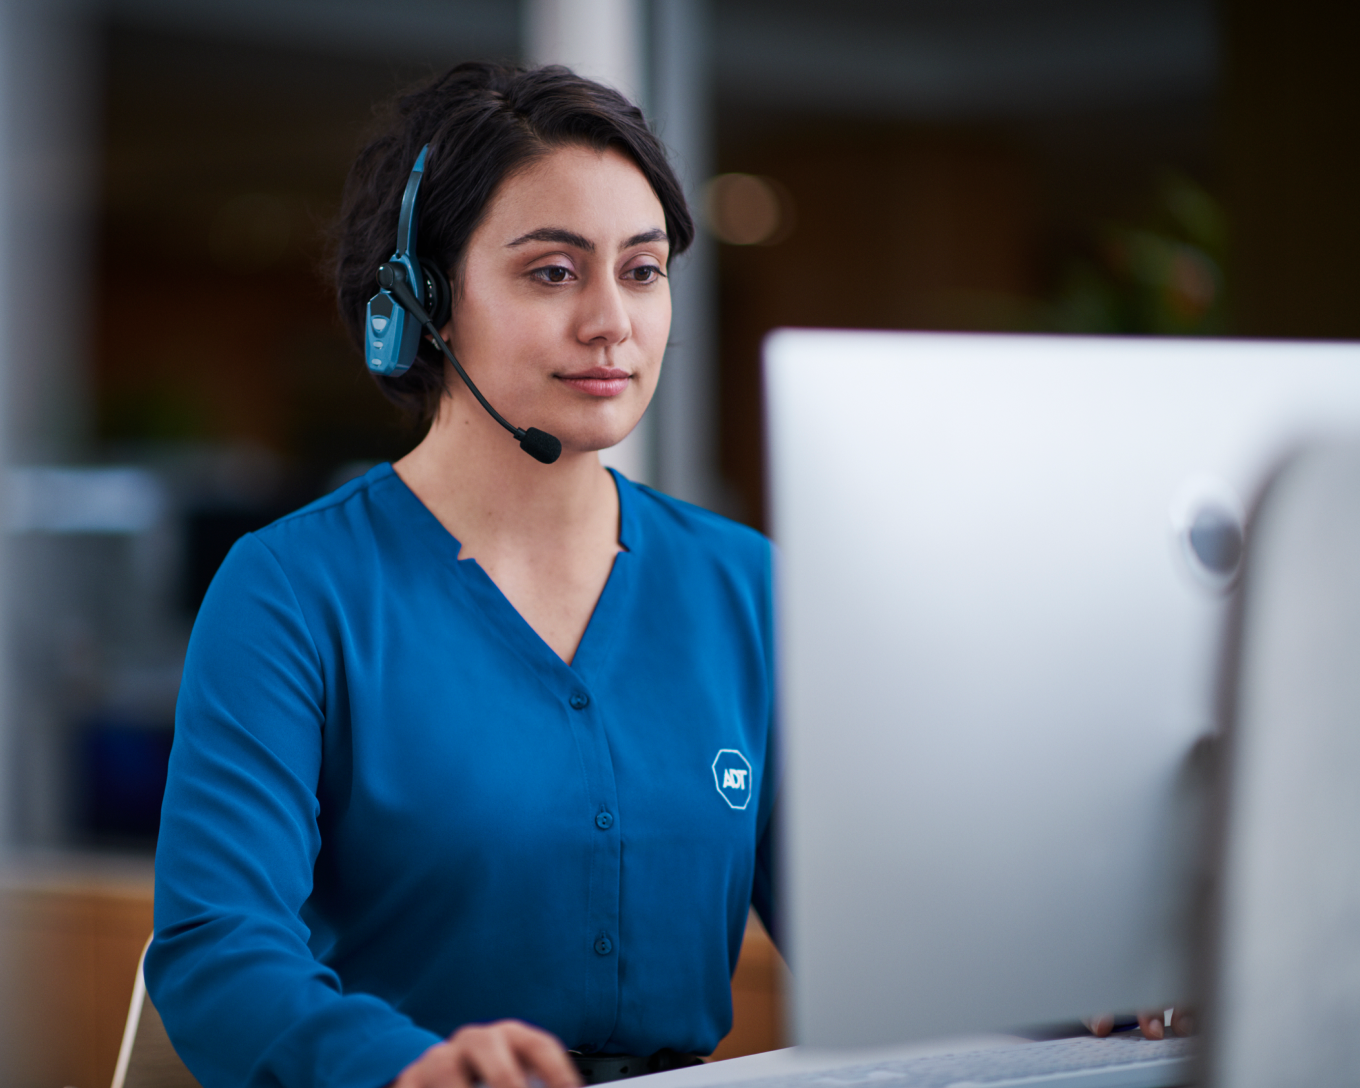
(1285, 943)
(1004, 565)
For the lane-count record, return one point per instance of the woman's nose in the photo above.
(604, 317)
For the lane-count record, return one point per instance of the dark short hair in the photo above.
(483, 122)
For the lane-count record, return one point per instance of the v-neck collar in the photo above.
(592, 653)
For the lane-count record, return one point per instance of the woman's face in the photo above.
(564, 306)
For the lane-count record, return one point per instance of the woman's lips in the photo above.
(598, 381)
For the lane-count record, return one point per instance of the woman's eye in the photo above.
(646, 273)
(553, 273)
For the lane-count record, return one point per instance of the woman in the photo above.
(473, 756)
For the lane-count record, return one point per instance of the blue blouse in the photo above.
(393, 810)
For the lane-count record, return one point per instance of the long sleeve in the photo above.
(764, 886)
(243, 997)
(765, 889)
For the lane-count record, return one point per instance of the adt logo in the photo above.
(732, 776)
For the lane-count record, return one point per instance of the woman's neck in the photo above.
(547, 535)
(495, 498)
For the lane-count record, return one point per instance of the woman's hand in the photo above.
(500, 1055)
(1152, 1024)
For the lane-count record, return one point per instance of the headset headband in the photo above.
(406, 225)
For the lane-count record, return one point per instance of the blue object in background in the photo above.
(124, 764)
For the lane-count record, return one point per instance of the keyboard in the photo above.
(1121, 1061)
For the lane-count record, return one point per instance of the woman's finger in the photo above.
(1100, 1025)
(500, 1055)
(450, 1072)
(1183, 1021)
(543, 1055)
(489, 1057)
(438, 1067)
(1152, 1024)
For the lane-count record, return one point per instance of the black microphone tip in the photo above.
(540, 445)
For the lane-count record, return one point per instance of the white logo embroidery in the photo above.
(732, 776)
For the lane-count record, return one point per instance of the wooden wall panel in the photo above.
(72, 950)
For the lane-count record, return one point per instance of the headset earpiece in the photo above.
(438, 298)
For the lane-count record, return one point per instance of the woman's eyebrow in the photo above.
(555, 234)
(656, 234)
(565, 237)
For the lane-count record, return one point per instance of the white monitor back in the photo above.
(1287, 940)
(998, 649)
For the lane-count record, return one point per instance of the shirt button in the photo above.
(604, 821)
(579, 700)
(603, 946)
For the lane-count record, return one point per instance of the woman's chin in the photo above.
(594, 443)
(599, 434)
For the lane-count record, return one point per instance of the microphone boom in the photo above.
(539, 445)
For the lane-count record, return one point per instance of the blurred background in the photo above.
(174, 373)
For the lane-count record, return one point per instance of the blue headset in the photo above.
(396, 317)
(391, 333)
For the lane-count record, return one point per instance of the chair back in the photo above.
(147, 1059)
